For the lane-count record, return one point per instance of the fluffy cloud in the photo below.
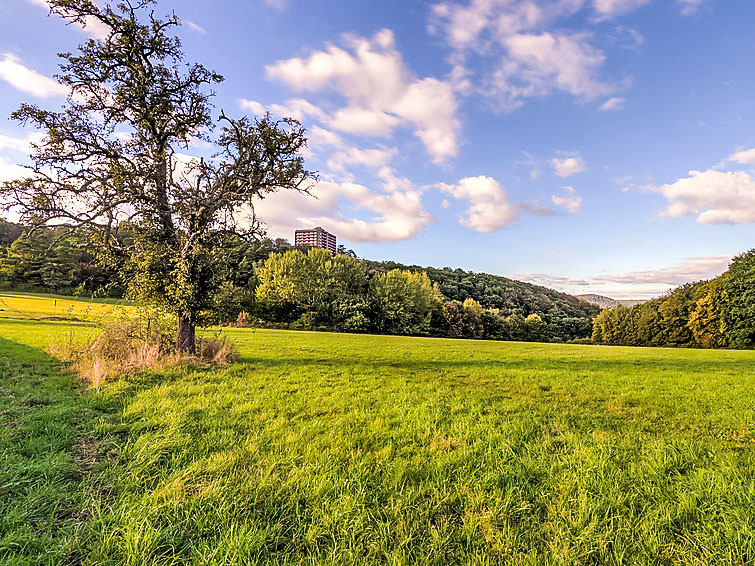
(713, 196)
(296, 108)
(21, 145)
(539, 64)
(568, 165)
(745, 157)
(572, 202)
(10, 171)
(489, 208)
(350, 210)
(27, 80)
(381, 93)
(374, 158)
(527, 57)
(91, 26)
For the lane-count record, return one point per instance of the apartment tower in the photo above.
(315, 238)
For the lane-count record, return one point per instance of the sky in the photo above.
(592, 146)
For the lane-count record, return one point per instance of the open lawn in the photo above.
(35, 306)
(321, 448)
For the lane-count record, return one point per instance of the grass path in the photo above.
(344, 449)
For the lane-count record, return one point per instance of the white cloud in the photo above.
(27, 80)
(252, 106)
(522, 56)
(356, 120)
(380, 91)
(692, 269)
(689, 7)
(489, 208)
(10, 171)
(610, 8)
(537, 65)
(642, 284)
(91, 26)
(613, 103)
(568, 165)
(352, 211)
(375, 158)
(745, 157)
(713, 196)
(195, 27)
(21, 145)
(572, 203)
(296, 108)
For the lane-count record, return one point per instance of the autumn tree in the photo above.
(115, 150)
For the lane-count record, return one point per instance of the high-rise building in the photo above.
(315, 238)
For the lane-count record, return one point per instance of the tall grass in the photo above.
(127, 346)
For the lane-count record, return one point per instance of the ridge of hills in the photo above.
(607, 302)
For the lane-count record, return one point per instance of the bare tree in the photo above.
(112, 156)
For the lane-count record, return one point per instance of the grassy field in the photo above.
(35, 306)
(322, 448)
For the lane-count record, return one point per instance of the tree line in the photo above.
(269, 282)
(719, 313)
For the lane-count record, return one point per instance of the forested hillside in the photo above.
(377, 297)
(507, 295)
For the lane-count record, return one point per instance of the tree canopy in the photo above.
(116, 154)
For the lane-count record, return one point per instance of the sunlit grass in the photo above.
(320, 448)
(55, 307)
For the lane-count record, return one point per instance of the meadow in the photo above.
(324, 448)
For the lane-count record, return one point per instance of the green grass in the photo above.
(322, 448)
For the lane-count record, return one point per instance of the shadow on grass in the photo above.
(49, 447)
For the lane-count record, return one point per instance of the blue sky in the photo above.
(588, 145)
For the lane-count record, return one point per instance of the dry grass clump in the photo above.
(128, 346)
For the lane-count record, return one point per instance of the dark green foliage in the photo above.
(739, 307)
(58, 261)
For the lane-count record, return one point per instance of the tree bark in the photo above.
(186, 341)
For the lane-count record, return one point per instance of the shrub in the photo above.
(127, 346)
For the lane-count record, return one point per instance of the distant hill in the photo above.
(497, 292)
(608, 302)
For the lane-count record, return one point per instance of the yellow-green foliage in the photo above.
(321, 448)
(404, 301)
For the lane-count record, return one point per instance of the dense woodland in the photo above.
(268, 282)
(719, 313)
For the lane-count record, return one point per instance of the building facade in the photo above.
(315, 238)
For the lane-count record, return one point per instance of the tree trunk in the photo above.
(186, 338)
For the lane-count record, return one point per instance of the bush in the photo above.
(127, 346)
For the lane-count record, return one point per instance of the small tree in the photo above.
(403, 301)
(113, 154)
